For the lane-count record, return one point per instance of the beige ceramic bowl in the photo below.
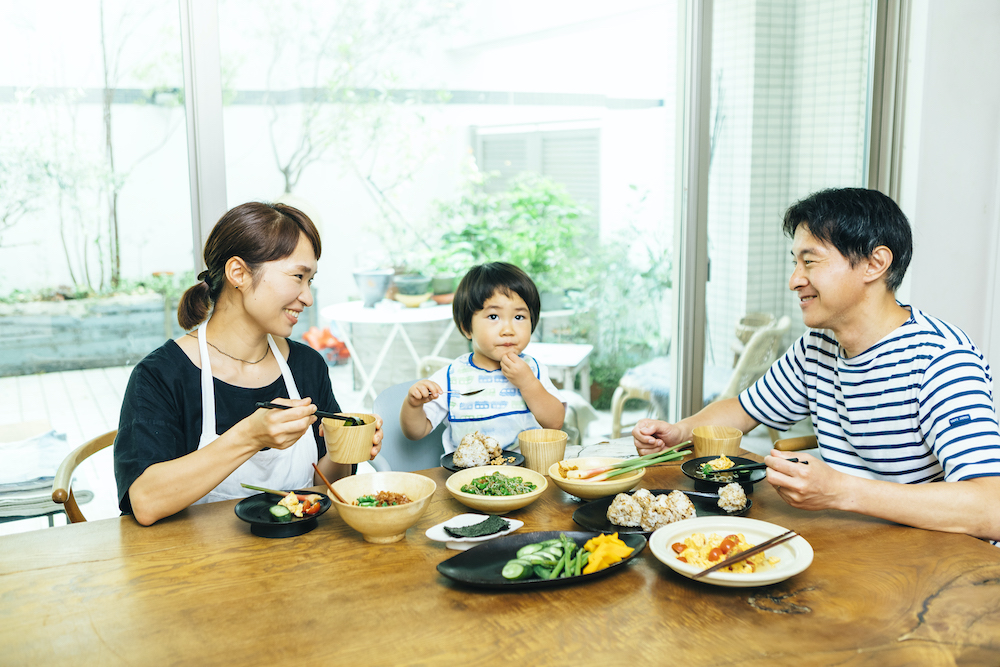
(349, 444)
(382, 525)
(412, 300)
(495, 504)
(588, 490)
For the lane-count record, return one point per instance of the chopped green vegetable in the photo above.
(280, 513)
(498, 485)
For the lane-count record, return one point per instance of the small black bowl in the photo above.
(256, 510)
(704, 482)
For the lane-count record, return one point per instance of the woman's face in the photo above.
(281, 290)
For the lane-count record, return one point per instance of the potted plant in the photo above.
(534, 224)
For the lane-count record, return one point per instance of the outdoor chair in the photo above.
(651, 381)
(62, 486)
(398, 452)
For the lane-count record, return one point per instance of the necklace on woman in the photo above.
(194, 334)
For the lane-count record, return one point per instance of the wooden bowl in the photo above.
(383, 525)
(716, 441)
(542, 447)
(495, 504)
(588, 490)
(349, 444)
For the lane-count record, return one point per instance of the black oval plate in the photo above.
(594, 515)
(481, 565)
(448, 462)
(256, 510)
(692, 469)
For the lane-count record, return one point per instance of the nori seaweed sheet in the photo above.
(492, 524)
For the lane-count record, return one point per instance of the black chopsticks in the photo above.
(350, 421)
(743, 555)
(749, 467)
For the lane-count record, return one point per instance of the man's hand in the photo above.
(812, 486)
(653, 435)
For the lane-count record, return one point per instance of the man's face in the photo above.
(830, 289)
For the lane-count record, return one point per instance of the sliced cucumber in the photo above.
(540, 558)
(528, 549)
(517, 569)
(542, 572)
(554, 551)
(280, 513)
(555, 541)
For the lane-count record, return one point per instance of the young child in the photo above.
(496, 306)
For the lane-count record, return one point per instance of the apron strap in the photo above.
(208, 432)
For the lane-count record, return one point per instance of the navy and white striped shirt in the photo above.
(915, 407)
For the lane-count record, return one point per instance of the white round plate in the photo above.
(438, 534)
(796, 554)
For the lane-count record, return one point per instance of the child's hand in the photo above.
(423, 391)
(516, 369)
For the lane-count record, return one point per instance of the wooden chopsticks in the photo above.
(767, 544)
(328, 485)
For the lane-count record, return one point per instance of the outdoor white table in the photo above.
(386, 312)
(566, 360)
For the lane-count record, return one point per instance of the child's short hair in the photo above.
(485, 280)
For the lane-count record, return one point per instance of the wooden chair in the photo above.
(763, 348)
(796, 444)
(62, 491)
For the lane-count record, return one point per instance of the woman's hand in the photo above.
(280, 429)
(377, 438)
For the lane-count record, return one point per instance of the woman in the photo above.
(189, 430)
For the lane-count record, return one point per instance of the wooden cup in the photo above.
(542, 447)
(349, 444)
(716, 441)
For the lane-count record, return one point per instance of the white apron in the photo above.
(285, 469)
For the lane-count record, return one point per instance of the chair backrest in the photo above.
(427, 366)
(398, 452)
(62, 490)
(758, 354)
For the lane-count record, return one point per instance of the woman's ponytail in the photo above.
(195, 303)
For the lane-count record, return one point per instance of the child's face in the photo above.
(501, 327)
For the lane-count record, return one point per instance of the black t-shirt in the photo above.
(161, 412)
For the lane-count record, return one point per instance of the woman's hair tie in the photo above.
(203, 277)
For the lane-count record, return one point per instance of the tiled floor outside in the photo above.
(84, 404)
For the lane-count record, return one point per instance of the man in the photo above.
(897, 398)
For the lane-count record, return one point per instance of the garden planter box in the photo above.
(47, 336)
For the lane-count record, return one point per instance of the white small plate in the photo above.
(438, 534)
(796, 554)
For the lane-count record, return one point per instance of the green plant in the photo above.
(533, 224)
(624, 306)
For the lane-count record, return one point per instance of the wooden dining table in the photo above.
(199, 589)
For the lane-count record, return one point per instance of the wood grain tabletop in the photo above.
(200, 589)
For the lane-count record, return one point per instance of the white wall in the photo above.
(950, 176)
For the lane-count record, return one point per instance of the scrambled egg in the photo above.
(704, 552)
